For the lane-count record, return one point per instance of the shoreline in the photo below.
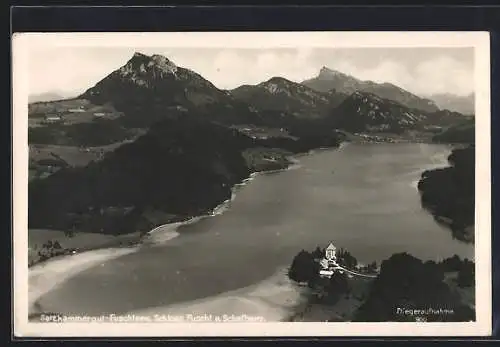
(80, 243)
(47, 276)
(446, 212)
(165, 232)
(272, 299)
(136, 241)
(171, 230)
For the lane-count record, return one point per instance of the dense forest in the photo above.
(408, 283)
(182, 167)
(403, 282)
(449, 193)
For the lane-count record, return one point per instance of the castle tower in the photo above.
(329, 262)
(331, 252)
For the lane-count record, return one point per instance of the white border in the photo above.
(479, 40)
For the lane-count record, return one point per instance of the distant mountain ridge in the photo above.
(45, 97)
(329, 79)
(147, 89)
(279, 93)
(150, 88)
(456, 103)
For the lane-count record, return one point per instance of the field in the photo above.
(56, 128)
(77, 243)
(68, 112)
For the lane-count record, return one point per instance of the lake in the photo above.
(362, 197)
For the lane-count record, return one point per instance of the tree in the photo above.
(407, 282)
(451, 264)
(434, 272)
(318, 253)
(338, 284)
(303, 267)
(346, 259)
(466, 276)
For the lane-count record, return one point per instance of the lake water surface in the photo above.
(363, 197)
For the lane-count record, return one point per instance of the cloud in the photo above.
(232, 68)
(69, 71)
(435, 75)
(386, 71)
(73, 70)
(444, 74)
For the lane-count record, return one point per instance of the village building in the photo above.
(77, 110)
(53, 118)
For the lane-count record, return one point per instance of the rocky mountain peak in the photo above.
(154, 78)
(276, 84)
(142, 67)
(277, 79)
(162, 62)
(139, 55)
(331, 79)
(325, 72)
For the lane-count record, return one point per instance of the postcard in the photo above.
(251, 184)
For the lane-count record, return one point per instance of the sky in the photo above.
(69, 71)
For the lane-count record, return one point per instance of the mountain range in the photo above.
(150, 88)
(280, 94)
(188, 142)
(329, 79)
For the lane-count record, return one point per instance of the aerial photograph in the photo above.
(204, 184)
